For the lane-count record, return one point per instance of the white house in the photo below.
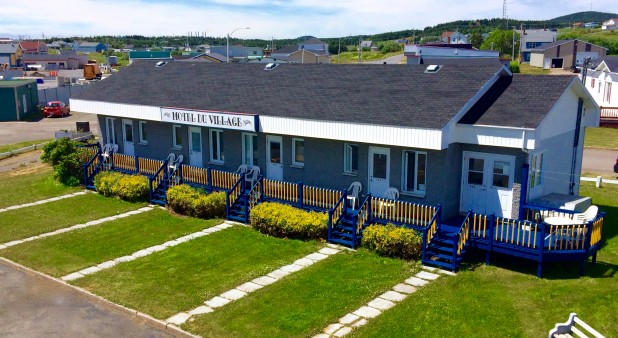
(610, 24)
(602, 83)
(534, 38)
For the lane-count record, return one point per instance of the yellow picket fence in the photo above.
(191, 174)
(124, 162)
(148, 166)
(401, 211)
(516, 232)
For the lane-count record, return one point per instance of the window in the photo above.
(592, 83)
(216, 146)
(536, 171)
(414, 172)
(350, 158)
(501, 176)
(110, 132)
(176, 137)
(249, 149)
(608, 92)
(298, 152)
(143, 134)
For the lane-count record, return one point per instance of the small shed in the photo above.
(17, 99)
(565, 54)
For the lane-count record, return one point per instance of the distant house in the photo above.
(33, 47)
(17, 99)
(454, 38)
(600, 80)
(610, 24)
(53, 61)
(565, 54)
(10, 55)
(237, 52)
(283, 53)
(149, 55)
(402, 41)
(308, 56)
(314, 46)
(366, 44)
(442, 54)
(534, 38)
(591, 25)
(88, 47)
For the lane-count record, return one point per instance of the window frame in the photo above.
(143, 134)
(417, 190)
(535, 171)
(348, 159)
(220, 151)
(294, 162)
(176, 133)
(110, 135)
(252, 151)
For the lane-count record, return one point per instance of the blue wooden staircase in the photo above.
(439, 252)
(344, 231)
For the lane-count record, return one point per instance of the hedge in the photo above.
(185, 200)
(66, 158)
(131, 188)
(281, 220)
(392, 241)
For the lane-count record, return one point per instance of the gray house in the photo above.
(464, 136)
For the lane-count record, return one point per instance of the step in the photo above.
(340, 234)
(448, 258)
(441, 249)
(449, 266)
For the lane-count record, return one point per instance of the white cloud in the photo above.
(267, 18)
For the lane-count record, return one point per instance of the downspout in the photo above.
(525, 172)
(578, 123)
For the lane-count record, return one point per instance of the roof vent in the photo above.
(161, 64)
(271, 66)
(432, 68)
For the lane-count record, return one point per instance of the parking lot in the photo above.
(14, 132)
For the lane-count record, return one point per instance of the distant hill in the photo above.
(597, 17)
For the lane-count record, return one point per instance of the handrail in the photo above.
(462, 236)
(334, 215)
(516, 232)
(536, 213)
(254, 194)
(597, 229)
(430, 230)
(363, 216)
(234, 193)
(89, 171)
(158, 178)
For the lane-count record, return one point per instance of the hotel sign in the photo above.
(212, 119)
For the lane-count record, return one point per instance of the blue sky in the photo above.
(266, 18)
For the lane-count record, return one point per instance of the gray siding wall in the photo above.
(558, 158)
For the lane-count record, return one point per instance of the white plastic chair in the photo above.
(391, 193)
(242, 169)
(353, 192)
(252, 175)
(587, 215)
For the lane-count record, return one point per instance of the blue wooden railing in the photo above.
(158, 180)
(336, 213)
(232, 195)
(430, 230)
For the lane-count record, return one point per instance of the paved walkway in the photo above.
(35, 306)
(383, 302)
(256, 284)
(53, 199)
(145, 252)
(78, 226)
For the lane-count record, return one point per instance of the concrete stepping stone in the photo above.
(125, 259)
(179, 318)
(156, 248)
(264, 280)
(292, 268)
(393, 296)
(90, 270)
(348, 319)
(381, 304)
(141, 253)
(107, 265)
(342, 331)
(415, 281)
(321, 335)
(446, 272)
(171, 243)
(404, 288)
(367, 312)
(12, 243)
(304, 262)
(359, 323)
(249, 287)
(328, 251)
(278, 274)
(427, 275)
(216, 302)
(200, 310)
(332, 328)
(233, 294)
(73, 276)
(317, 256)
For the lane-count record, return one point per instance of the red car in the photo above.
(56, 108)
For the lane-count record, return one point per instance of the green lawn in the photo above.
(10, 147)
(79, 249)
(603, 138)
(506, 299)
(302, 304)
(38, 219)
(22, 186)
(525, 68)
(183, 277)
(352, 57)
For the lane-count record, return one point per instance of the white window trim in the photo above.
(250, 151)
(536, 171)
(110, 133)
(176, 129)
(404, 183)
(294, 163)
(219, 136)
(142, 139)
(348, 158)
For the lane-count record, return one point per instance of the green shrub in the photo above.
(65, 158)
(514, 66)
(189, 201)
(131, 188)
(392, 241)
(281, 220)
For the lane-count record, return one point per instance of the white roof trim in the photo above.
(504, 137)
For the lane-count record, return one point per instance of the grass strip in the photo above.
(10, 147)
(76, 250)
(601, 138)
(38, 219)
(302, 304)
(183, 277)
(31, 187)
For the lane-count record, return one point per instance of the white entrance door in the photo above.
(195, 146)
(127, 137)
(274, 153)
(487, 184)
(379, 170)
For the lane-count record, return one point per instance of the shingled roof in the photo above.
(518, 101)
(396, 95)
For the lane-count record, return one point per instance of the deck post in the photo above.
(261, 179)
(491, 228)
(136, 164)
(330, 223)
(541, 249)
(209, 176)
(300, 194)
(369, 215)
(179, 173)
(523, 194)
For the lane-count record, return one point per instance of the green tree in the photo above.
(388, 47)
(64, 155)
(502, 41)
(476, 39)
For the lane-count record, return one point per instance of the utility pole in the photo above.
(513, 43)
(339, 51)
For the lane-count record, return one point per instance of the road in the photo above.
(599, 161)
(397, 59)
(34, 306)
(14, 132)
